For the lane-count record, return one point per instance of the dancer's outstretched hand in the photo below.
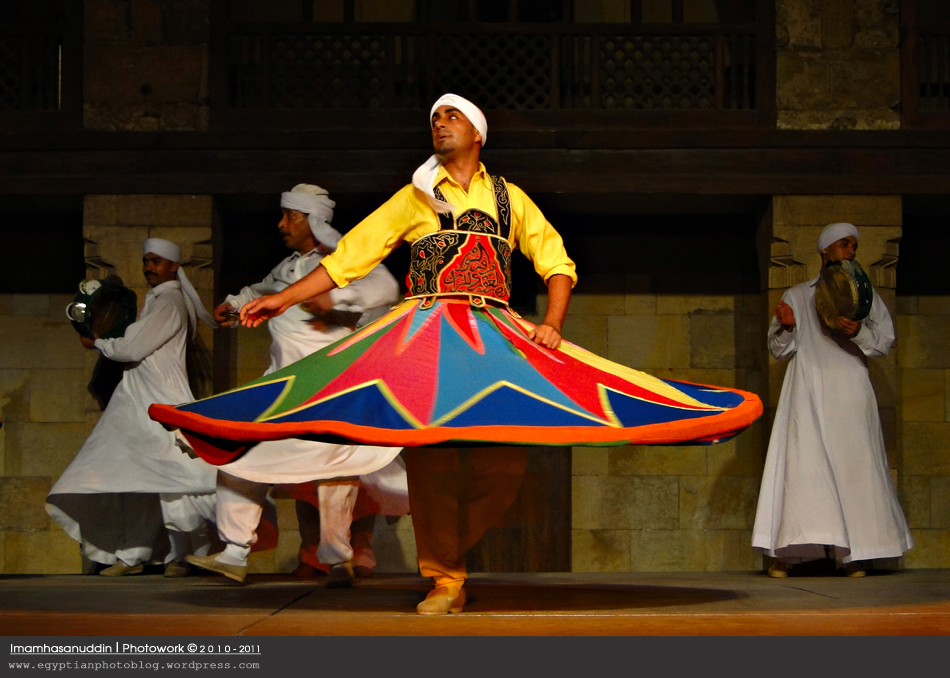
(263, 308)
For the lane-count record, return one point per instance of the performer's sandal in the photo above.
(235, 572)
(442, 600)
(121, 569)
(778, 569)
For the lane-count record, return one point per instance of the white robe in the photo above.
(127, 452)
(294, 337)
(826, 479)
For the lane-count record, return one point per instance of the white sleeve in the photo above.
(144, 336)
(783, 344)
(876, 336)
(376, 288)
(251, 292)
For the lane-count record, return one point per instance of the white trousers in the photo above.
(240, 506)
(188, 518)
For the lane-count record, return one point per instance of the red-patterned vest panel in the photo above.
(468, 256)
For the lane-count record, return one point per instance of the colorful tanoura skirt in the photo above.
(446, 373)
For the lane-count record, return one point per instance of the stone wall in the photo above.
(146, 65)
(923, 330)
(838, 64)
(689, 315)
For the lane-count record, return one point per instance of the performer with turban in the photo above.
(304, 329)
(826, 482)
(453, 365)
(131, 475)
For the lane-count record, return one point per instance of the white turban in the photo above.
(316, 204)
(169, 250)
(832, 233)
(425, 174)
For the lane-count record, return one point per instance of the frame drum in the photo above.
(843, 290)
(103, 308)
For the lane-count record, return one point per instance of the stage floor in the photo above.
(915, 602)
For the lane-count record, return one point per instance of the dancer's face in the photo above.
(842, 250)
(452, 131)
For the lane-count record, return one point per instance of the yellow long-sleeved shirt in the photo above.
(407, 216)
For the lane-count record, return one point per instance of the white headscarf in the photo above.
(832, 233)
(424, 176)
(316, 204)
(169, 250)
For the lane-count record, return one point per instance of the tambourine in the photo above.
(843, 290)
(103, 308)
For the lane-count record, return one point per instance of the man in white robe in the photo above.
(130, 476)
(826, 481)
(304, 329)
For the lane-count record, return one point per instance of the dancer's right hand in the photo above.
(258, 310)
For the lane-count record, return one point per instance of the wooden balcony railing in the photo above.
(706, 74)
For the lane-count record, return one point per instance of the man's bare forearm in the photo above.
(559, 298)
(311, 285)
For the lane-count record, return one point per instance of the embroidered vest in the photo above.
(469, 255)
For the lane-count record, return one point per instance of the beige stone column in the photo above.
(788, 241)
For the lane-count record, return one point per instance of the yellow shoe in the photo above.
(341, 576)
(442, 600)
(854, 569)
(778, 569)
(120, 569)
(235, 572)
(176, 569)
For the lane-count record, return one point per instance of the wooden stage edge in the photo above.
(915, 603)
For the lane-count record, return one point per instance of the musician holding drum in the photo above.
(826, 481)
(130, 477)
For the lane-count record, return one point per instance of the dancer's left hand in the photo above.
(545, 335)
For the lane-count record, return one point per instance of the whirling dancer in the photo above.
(453, 364)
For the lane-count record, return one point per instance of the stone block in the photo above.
(868, 79)
(667, 551)
(146, 21)
(287, 553)
(877, 38)
(624, 502)
(590, 461)
(923, 395)
(803, 82)
(802, 22)
(933, 305)
(744, 455)
(589, 332)
(906, 305)
(106, 20)
(915, 498)
(22, 502)
(159, 211)
(187, 21)
(837, 23)
(395, 549)
(139, 74)
(719, 503)
(180, 118)
(36, 341)
(262, 562)
(600, 551)
(712, 341)
(888, 416)
(731, 551)
(14, 395)
(683, 304)
(24, 304)
(940, 502)
(931, 549)
(141, 117)
(926, 448)
(946, 390)
(642, 460)
(598, 294)
(287, 514)
(819, 210)
(41, 449)
(649, 341)
(639, 297)
(58, 395)
(924, 341)
(42, 552)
